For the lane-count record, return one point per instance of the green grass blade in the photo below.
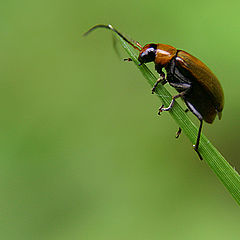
(225, 172)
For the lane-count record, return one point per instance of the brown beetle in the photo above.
(196, 84)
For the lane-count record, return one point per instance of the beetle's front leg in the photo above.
(162, 80)
(127, 59)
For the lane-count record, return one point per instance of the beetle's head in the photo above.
(147, 53)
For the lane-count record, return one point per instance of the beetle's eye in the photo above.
(148, 55)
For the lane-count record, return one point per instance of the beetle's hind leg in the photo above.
(199, 116)
(198, 140)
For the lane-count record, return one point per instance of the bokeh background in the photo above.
(83, 154)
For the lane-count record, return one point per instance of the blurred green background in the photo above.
(83, 153)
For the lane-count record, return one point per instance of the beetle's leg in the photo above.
(198, 139)
(172, 102)
(127, 59)
(161, 80)
(178, 133)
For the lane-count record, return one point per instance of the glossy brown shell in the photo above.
(164, 54)
(208, 85)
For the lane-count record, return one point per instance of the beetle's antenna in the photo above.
(110, 27)
(138, 44)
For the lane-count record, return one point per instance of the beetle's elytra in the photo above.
(194, 81)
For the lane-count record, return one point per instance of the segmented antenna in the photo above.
(110, 27)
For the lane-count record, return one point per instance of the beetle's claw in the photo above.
(198, 153)
(154, 87)
(160, 110)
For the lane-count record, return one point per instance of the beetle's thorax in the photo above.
(164, 54)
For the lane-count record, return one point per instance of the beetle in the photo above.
(195, 83)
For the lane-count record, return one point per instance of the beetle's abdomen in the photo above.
(199, 102)
(200, 99)
(203, 76)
